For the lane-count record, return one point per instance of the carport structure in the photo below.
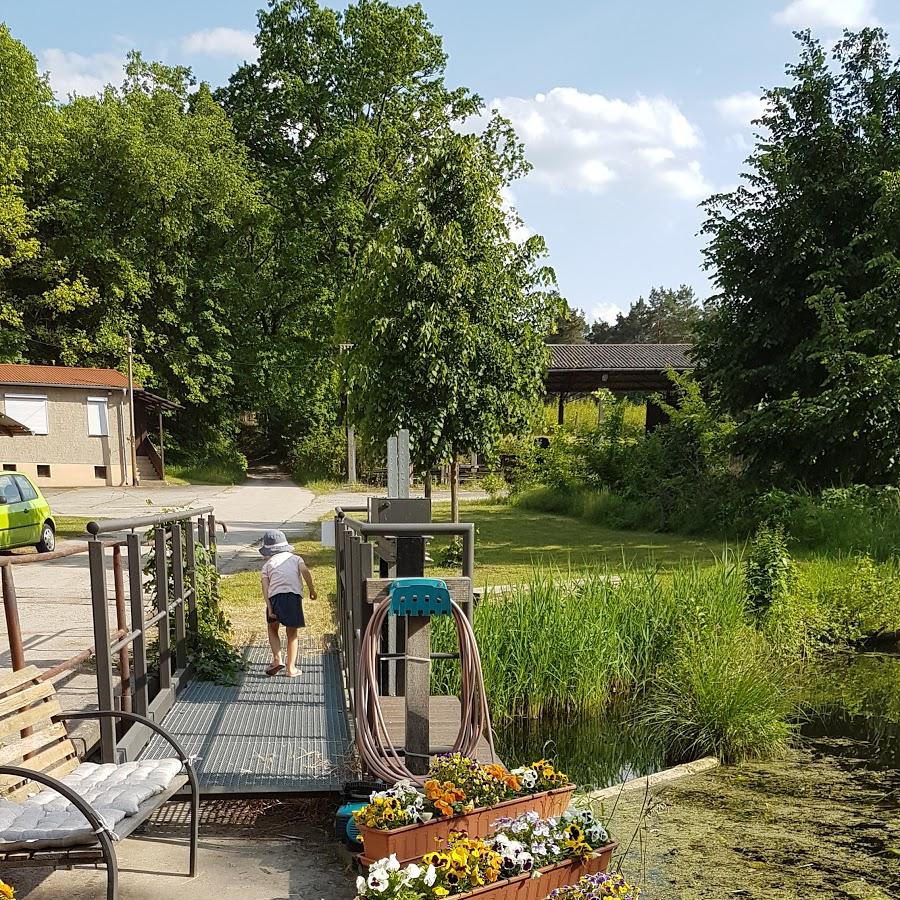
(621, 368)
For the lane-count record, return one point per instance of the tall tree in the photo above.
(338, 112)
(667, 317)
(569, 328)
(449, 314)
(146, 226)
(803, 341)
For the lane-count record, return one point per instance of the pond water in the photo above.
(851, 696)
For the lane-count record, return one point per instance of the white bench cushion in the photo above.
(114, 792)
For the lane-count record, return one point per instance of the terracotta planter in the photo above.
(526, 887)
(412, 842)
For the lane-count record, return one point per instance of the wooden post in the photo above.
(351, 454)
(411, 563)
(162, 446)
(561, 409)
(13, 625)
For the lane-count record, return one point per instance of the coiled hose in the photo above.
(376, 749)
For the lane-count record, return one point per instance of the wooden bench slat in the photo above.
(63, 767)
(43, 712)
(50, 761)
(11, 680)
(14, 754)
(23, 699)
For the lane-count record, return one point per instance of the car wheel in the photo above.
(47, 543)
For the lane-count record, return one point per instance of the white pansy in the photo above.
(378, 880)
(392, 864)
(360, 885)
(430, 876)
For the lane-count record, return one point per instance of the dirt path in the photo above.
(823, 823)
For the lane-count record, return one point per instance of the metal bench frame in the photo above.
(37, 706)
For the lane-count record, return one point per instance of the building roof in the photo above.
(62, 376)
(580, 368)
(11, 428)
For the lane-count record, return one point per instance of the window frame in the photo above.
(34, 398)
(104, 420)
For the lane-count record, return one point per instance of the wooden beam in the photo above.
(460, 589)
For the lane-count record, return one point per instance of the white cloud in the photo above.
(741, 109)
(687, 181)
(828, 13)
(72, 73)
(518, 231)
(228, 42)
(604, 312)
(585, 142)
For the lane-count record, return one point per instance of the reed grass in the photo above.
(677, 647)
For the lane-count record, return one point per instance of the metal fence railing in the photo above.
(126, 680)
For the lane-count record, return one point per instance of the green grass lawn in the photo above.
(509, 543)
(71, 527)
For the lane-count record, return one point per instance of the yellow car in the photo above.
(25, 517)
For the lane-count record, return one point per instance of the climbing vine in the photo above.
(210, 652)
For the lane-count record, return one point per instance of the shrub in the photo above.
(495, 484)
(320, 455)
(769, 571)
(721, 695)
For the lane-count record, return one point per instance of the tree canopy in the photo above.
(449, 314)
(668, 316)
(802, 341)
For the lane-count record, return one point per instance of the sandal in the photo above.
(274, 669)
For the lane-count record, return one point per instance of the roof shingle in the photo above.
(620, 357)
(62, 376)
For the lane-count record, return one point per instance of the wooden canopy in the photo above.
(582, 368)
(11, 428)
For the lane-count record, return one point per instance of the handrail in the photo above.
(28, 558)
(107, 525)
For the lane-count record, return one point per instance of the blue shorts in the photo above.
(288, 609)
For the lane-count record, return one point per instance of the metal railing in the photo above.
(356, 560)
(135, 687)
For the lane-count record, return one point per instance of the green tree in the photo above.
(148, 227)
(802, 342)
(449, 315)
(28, 130)
(569, 328)
(668, 316)
(338, 112)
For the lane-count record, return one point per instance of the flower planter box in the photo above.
(412, 842)
(527, 887)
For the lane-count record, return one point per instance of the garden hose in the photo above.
(377, 752)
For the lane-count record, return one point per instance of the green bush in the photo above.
(721, 695)
(769, 571)
(216, 463)
(320, 455)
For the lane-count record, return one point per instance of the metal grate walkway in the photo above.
(265, 735)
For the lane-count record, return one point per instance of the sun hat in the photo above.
(274, 542)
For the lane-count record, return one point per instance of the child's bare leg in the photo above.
(274, 642)
(293, 641)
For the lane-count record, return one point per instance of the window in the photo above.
(98, 420)
(9, 493)
(26, 488)
(100, 472)
(30, 410)
(9, 467)
(43, 471)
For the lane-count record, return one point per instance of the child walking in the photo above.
(283, 574)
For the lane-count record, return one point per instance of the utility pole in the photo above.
(134, 473)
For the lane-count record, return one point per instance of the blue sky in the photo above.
(632, 111)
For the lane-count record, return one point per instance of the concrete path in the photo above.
(154, 868)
